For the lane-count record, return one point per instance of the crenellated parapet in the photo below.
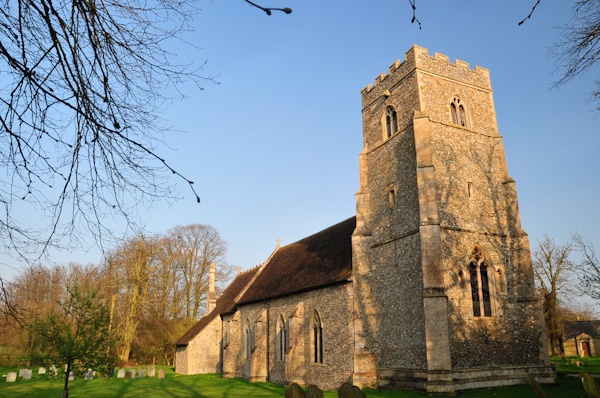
(418, 58)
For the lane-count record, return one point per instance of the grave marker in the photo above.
(120, 373)
(11, 377)
(26, 374)
(151, 371)
(42, 371)
(161, 373)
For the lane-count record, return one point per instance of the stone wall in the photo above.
(203, 352)
(334, 305)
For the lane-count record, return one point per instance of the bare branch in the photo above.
(530, 13)
(268, 10)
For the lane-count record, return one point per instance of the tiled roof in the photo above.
(319, 260)
(226, 303)
(572, 329)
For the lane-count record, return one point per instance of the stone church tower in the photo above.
(444, 296)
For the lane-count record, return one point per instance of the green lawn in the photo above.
(213, 386)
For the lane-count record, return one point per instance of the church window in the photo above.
(317, 338)
(480, 284)
(500, 280)
(392, 197)
(458, 112)
(226, 334)
(470, 190)
(391, 122)
(247, 340)
(281, 339)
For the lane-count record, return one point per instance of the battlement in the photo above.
(418, 58)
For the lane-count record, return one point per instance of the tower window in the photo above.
(391, 122)
(392, 197)
(480, 284)
(457, 110)
(470, 190)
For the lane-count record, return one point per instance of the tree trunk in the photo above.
(66, 388)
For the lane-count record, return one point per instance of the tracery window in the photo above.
(457, 110)
(281, 339)
(480, 284)
(317, 338)
(391, 122)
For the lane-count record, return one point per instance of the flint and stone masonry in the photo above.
(429, 286)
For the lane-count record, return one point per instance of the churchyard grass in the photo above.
(213, 386)
(569, 364)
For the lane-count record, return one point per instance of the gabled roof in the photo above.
(319, 260)
(572, 329)
(226, 303)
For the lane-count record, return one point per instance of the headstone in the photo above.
(120, 373)
(71, 376)
(142, 373)
(11, 377)
(161, 373)
(27, 374)
(21, 372)
(130, 374)
(151, 371)
(54, 370)
(42, 371)
(89, 375)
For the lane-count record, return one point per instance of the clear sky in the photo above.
(273, 149)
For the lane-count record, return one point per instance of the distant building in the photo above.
(580, 338)
(429, 286)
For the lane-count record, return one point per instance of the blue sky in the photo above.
(273, 149)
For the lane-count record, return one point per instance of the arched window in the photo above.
(457, 110)
(281, 339)
(247, 340)
(480, 284)
(391, 122)
(317, 338)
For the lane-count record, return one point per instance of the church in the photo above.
(429, 286)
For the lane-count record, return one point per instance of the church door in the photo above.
(585, 348)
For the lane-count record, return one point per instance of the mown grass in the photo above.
(570, 364)
(213, 386)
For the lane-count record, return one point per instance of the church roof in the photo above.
(572, 329)
(319, 260)
(226, 303)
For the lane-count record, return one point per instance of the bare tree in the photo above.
(82, 82)
(588, 267)
(579, 48)
(129, 269)
(192, 249)
(553, 270)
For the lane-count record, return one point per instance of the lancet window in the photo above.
(317, 338)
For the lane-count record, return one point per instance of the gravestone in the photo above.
(26, 374)
(11, 377)
(161, 373)
(71, 376)
(130, 374)
(54, 370)
(89, 375)
(21, 372)
(142, 373)
(120, 373)
(42, 371)
(151, 371)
